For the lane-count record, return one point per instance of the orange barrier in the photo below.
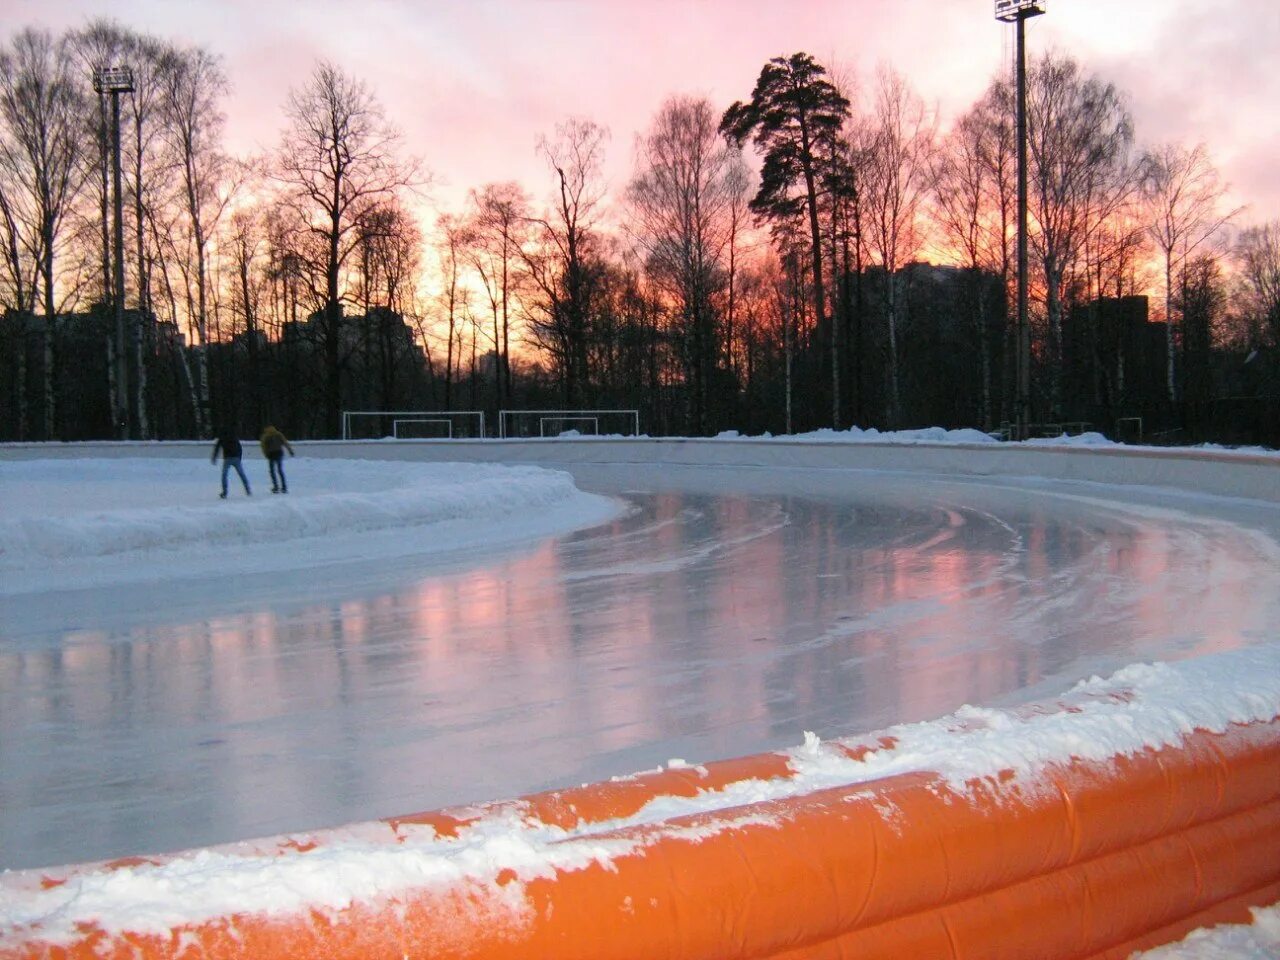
(1084, 860)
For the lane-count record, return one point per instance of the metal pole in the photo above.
(122, 363)
(1024, 330)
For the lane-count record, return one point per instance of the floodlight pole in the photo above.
(115, 81)
(1019, 12)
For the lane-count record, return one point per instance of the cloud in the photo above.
(473, 82)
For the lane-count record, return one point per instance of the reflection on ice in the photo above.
(700, 625)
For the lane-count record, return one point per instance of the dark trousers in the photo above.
(275, 464)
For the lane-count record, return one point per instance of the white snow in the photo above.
(1259, 940)
(968, 435)
(71, 523)
(872, 435)
(1148, 705)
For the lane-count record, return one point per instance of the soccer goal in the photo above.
(412, 424)
(422, 428)
(519, 424)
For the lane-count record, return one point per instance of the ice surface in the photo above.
(727, 612)
(288, 677)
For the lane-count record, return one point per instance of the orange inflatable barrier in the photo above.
(1091, 859)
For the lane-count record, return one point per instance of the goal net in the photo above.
(518, 424)
(412, 424)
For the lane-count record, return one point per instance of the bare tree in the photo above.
(245, 242)
(338, 156)
(42, 154)
(17, 268)
(897, 181)
(964, 189)
(1258, 257)
(681, 198)
(1184, 201)
(191, 92)
(454, 296)
(389, 260)
(558, 269)
(498, 232)
(1079, 134)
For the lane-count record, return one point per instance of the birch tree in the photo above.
(1184, 197)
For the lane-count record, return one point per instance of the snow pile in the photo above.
(1257, 941)
(968, 435)
(872, 435)
(1090, 439)
(1141, 706)
(66, 516)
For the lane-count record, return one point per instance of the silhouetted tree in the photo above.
(1258, 256)
(897, 181)
(42, 153)
(498, 232)
(1184, 198)
(338, 155)
(190, 101)
(794, 118)
(1079, 133)
(681, 201)
(559, 267)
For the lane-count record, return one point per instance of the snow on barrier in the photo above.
(1116, 818)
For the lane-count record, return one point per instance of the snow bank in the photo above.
(967, 435)
(71, 521)
(1234, 941)
(1142, 706)
(872, 435)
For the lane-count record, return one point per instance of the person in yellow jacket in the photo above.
(274, 444)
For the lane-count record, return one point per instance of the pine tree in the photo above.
(794, 118)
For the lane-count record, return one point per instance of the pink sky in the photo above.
(473, 82)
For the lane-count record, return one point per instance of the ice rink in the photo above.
(274, 686)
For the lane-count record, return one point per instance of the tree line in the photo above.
(820, 253)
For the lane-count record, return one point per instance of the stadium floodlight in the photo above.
(1011, 10)
(1018, 12)
(115, 81)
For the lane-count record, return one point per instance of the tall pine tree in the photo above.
(794, 119)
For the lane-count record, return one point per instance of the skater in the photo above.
(274, 444)
(231, 453)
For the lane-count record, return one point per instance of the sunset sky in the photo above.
(473, 82)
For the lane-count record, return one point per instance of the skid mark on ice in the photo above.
(690, 555)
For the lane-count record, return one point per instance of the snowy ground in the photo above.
(246, 668)
(86, 523)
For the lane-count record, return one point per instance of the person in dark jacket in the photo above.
(274, 444)
(231, 453)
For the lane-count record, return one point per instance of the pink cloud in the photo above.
(472, 84)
